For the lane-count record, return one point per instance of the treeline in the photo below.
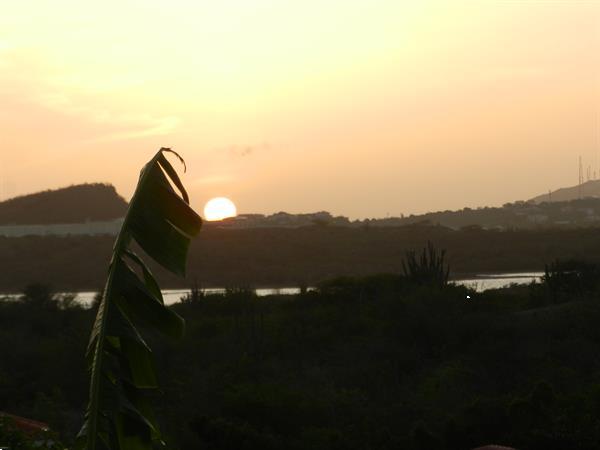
(294, 257)
(387, 361)
(529, 215)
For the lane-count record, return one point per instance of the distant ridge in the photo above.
(73, 204)
(588, 189)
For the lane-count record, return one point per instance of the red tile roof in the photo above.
(26, 425)
(494, 447)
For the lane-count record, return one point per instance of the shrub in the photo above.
(428, 269)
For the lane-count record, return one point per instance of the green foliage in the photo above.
(378, 364)
(429, 269)
(161, 222)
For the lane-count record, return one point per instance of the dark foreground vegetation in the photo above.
(382, 362)
(277, 257)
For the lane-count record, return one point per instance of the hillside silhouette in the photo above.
(73, 204)
(590, 188)
(100, 202)
(521, 215)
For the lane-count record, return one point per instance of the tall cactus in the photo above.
(428, 269)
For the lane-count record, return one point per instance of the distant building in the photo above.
(537, 218)
(110, 227)
(282, 220)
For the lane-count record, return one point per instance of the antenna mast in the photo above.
(580, 176)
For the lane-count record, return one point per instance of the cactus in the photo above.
(430, 269)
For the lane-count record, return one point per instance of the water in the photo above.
(496, 281)
(480, 283)
(171, 296)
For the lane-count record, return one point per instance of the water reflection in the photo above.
(496, 281)
(479, 283)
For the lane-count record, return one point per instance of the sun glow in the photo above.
(219, 208)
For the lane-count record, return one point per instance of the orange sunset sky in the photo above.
(362, 108)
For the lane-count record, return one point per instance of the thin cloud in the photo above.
(23, 80)
(153, 126)
(212, 179)
(243, 151)
(130, 126)
(512, 73)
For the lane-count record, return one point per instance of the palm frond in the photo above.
(160, 220)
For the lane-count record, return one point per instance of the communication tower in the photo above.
(580, 176)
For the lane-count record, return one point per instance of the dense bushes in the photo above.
(376, 362)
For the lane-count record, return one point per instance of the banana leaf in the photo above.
(161, 222)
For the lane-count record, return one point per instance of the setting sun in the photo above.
(219, 208)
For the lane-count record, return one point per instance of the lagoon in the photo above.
(484, 282)
(478, 283)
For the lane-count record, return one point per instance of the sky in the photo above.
(364, 108)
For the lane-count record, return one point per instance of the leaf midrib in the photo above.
(119, 247)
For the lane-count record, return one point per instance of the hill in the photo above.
(518, 215)
(73, 204)
(100, 202)
(590, 188)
